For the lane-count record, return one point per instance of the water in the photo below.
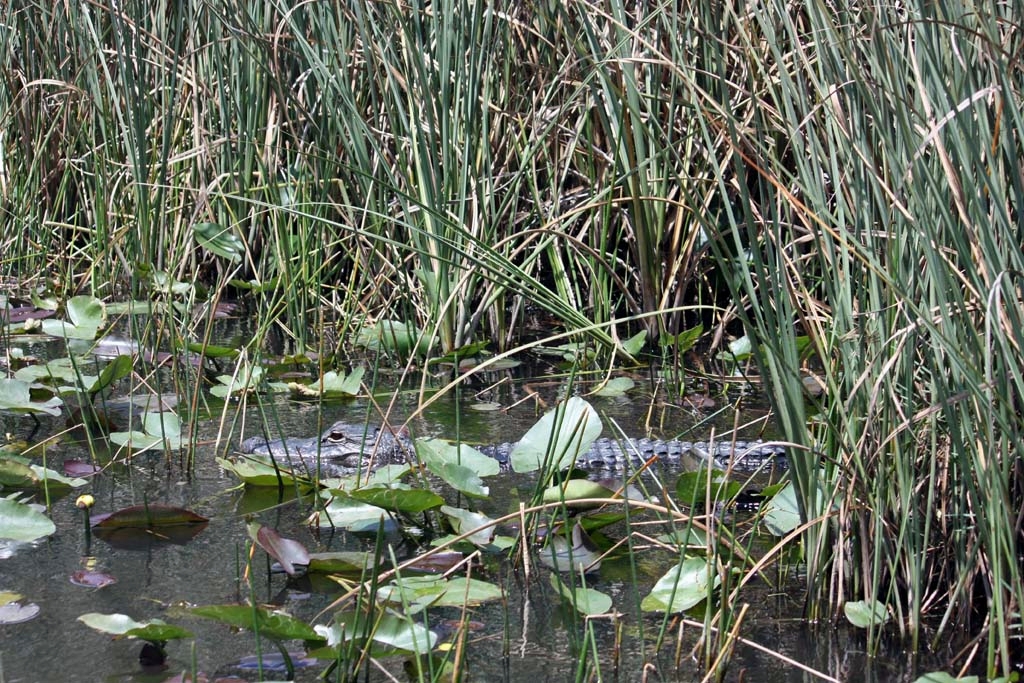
(528, 637)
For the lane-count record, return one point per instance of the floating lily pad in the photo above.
(617, 386)
(260, 471)
(92, 579)
(386, 634)
(575, 553)
(417, 593)
(461, 466)
(160, 430)
(85, 318)
(139, 527)
(346, 513)
(14, 609)
(586, 601)
(348, 563)
(393, 336)
(577, 489)
(23, 522)
(123, 626)
(558, 438)
(14, 473)
(15, 396)
(464, 521)
(332, 385)
(682, 587)
(268, 623)
(782, 513)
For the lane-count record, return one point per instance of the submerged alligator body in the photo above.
(343, 448)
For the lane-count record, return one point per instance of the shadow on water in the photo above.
(526, 637)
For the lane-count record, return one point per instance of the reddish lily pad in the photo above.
(286, 551)
(91, 579)
(140, 526)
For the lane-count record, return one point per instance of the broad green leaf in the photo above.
(461, 466)
(160, 430)
(781, 513)
(332, 384)
(575, 553)
(15, 396)
(431, 451)
(616, 387)
(346, 513)
(943, 677)
(558, 438)
(692, 488)
(635, 344)
(576, 489)
(406, 500)
(464, 521)
(123, 626)
(684, 341)
(388, 634)
(416, 593)
(682, 587)
(221, 241)
(258, 471)
(21, 522)
(116, 369)
(586, 601)
(865, 613)
(85, 318)
(268, 623)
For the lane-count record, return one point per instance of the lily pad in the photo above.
(586, 601)
(14, 609)
(575, 553)
(347, 513)
(260, 471)
(393, 336)
(682, 587)
(617, 386)
(558, 438)
(123, 626)
(14, 473)
(332, 385)
(417, 593)
(15, 396)
(782, 513)
(865, 613)
(387, 633)
(85, 318)
(268, 623)
(398, 498)
(22, 522)
(160, 430)
(464, 521)
(460, 466)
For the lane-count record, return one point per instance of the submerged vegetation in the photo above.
(835, 189)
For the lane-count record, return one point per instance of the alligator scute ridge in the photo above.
(344, 448)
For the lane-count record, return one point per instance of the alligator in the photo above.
(345, 448)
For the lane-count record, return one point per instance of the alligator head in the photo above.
(342, 446)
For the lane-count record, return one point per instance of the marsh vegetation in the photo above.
(817, 201)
